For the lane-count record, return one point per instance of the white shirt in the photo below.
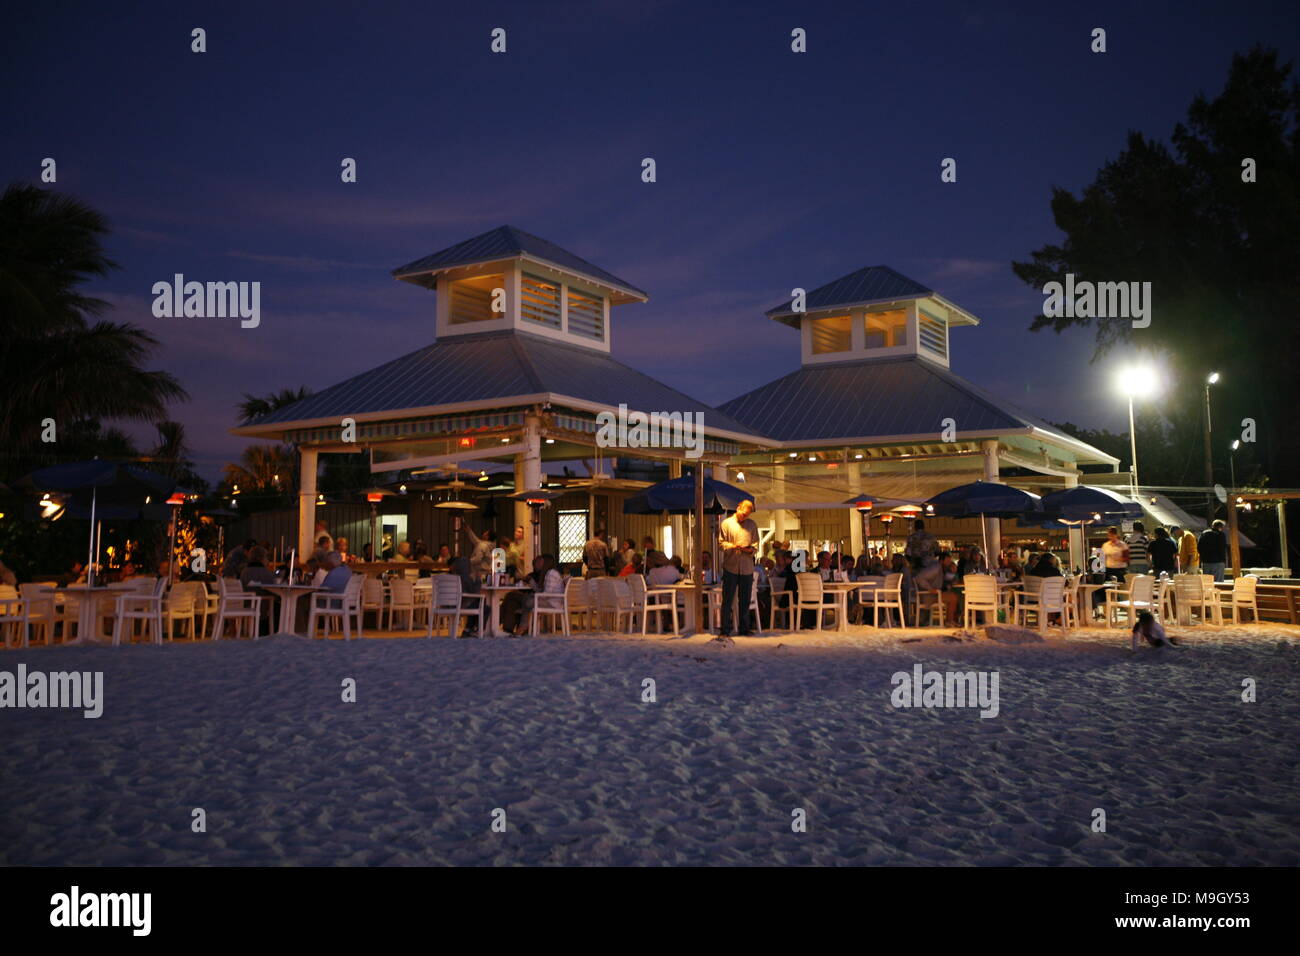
(663, 575)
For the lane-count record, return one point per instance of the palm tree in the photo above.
(57, 363)
(171, 457)
(272, 468)
(253, 408)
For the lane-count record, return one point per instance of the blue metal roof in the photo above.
(507, 242)
(497, 366)
(868, 399)
(871, 284)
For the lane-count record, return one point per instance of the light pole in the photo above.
(1211, 379)
(1130, 380)
(1232, 463)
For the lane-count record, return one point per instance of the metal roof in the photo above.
(867, 285)
(495, 366)
(507, 242)
(883, 398)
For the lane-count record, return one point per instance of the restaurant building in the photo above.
(519, 373)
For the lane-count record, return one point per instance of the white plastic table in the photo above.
(86, 617)
(288, 595)
(495, 592)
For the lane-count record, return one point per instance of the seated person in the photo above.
(337, 573)
(662, 573)
(1045, 566)
(255, 571)
(633, 566)
(443, 561)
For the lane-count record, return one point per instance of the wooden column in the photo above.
(697, 552)
(308, 458)
(1234, 544)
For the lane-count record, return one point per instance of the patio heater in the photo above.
(374, 496)
(536, 499)
(176, 500)
(886, 519)
(458, 508)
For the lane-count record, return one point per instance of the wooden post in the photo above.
(1233, 543)
(1283, 546)
(697, 551)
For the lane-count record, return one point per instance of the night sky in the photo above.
(775, 169)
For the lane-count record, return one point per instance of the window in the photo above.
(573, 535)
(471, 299)
(540, 301)
(886, 329)
(586, 314)
(932, 334)
(832, 334)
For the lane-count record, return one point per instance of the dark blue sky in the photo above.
(775, 170)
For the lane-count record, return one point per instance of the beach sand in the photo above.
(554, 732)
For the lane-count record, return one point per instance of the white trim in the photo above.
(433, 461)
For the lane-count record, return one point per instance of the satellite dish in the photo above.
(1221, 493)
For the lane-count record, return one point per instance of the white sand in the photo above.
(554, 732)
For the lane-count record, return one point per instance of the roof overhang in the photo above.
(957, 315)
(273, 430)
(618, 294)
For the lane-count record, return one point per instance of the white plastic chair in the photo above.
(1047, 598)
(981, 598)
(448, 603)
(401, 600)
(374, 598)
(180, 605)
(135, 605)
(647, 601)
(38, 603)
(1141, 596)
(887, 597)
(614, 602)
(812, 597)
(345, 607)
(552, 604)
(1243, 597)
(579, 602)
(235, 604)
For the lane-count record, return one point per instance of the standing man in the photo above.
(921, 544)
(480, 559)
(596, 554)
(1137, 541)
(738, 536)
(1213, 547)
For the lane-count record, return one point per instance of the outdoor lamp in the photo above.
(1213, 379)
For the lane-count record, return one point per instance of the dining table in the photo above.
(495, 593)
(684, 587)
(87, 598)
(288, 595)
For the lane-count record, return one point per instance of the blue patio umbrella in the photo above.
(1087, 503)
(104, 489)
(984, 499)
(677, 497)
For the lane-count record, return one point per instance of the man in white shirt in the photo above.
(738, 537)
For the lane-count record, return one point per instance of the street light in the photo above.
(1131, 380)
(1211, 379)
(1232, 462)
